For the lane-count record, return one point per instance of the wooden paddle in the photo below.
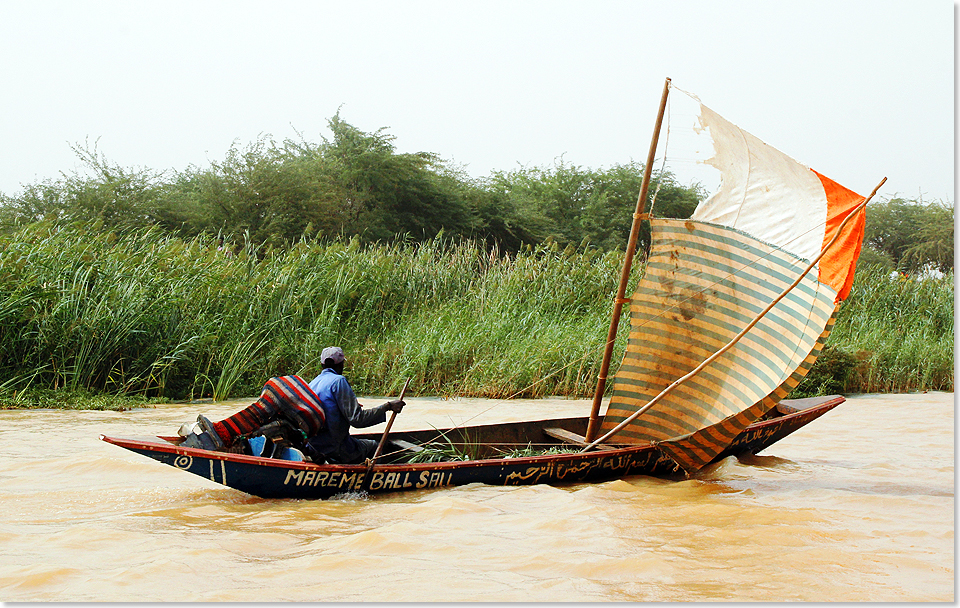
(383, 440)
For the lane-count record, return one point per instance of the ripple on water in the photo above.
(825, 515)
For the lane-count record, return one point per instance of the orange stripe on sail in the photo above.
(838, 264)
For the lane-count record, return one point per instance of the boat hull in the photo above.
(270, 478)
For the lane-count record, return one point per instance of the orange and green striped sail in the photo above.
(708, 277)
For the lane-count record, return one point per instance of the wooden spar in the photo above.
(593, 426)
(383, 439)
(742, 333)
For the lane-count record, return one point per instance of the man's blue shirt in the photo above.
(342, 411)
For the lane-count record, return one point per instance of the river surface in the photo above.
(857, 506)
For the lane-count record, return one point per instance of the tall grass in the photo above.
(900, 332)
(153, 315)
(156, 315)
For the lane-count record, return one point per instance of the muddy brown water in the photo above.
(857, 506)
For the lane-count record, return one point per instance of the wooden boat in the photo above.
(733, 309)
(274, 478)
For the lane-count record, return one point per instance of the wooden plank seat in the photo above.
(406, 445)
(572, 438)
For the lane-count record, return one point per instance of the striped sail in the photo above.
(699, 448)
(708, 277)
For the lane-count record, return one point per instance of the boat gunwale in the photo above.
(171, 448)
(166, 444)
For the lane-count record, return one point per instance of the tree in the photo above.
(571, 204)
(934, 246)
(607, 219)
(386, 194)
(107, 194)
(271, 192)
(913, 235)
(352, 184)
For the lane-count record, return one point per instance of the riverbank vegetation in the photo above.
(123, 286)
(356, 184)
(155, 315)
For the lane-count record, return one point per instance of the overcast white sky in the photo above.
(857, 89)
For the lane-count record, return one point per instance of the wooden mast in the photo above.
(592, 443)
(594, 423)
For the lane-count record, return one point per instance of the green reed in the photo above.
(158, 316)
(900, 332)
(155, 315)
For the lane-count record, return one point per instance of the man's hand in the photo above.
(395, 406)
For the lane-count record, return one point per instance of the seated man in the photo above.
(315, 416)
(342, 411)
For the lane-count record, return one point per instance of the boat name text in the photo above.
(379, 481)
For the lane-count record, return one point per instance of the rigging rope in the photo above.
(593, 351)
(663, 160)
(599, 348)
